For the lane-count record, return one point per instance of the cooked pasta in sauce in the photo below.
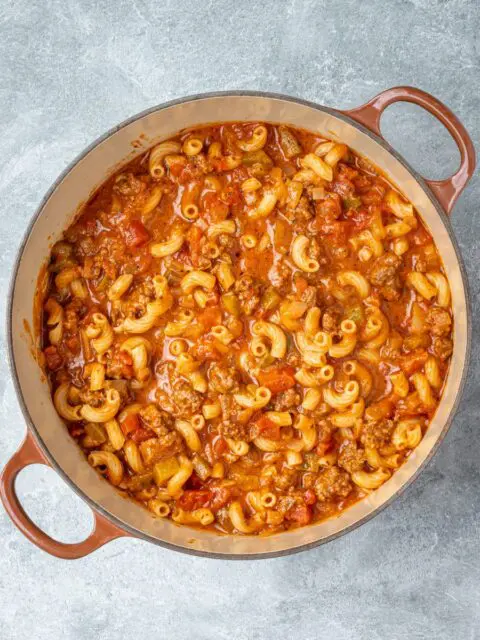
(247, 328)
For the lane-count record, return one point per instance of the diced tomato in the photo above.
(301, 284)
(413, 362)
(309, 497)
(135, 234)
(127, 364)
(214, 207)
(209, 317)
(53, 358)
(278, 379)
(130, 423)
(220, 497)
(301, 514)
(194, 482)
(142, 434)
(75, 432)
(192, 499)
(176, 169)
(267, 428)
(194, 237)
(219, 446)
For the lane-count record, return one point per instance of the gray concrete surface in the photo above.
(69, 70)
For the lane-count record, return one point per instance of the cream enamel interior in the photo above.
(59, 210)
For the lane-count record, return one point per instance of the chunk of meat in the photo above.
(118, 363)
(290, 145)
(331, 319)
(301, 514)
(140, 482)
(309, 295)
(155, 449)
(223, 379)
(248, 293)
(303, 212)
(328, 209)
(164, 401)
(187, 401)
(158, 421)
(93, 398)
(350, 457)
(85, 247)
(324, 437)
(226, 242)
(136, 303)
(442, 348)
(286, 479)
(179, 398)
(97, 264)
(293, 358)
(343, 186)
(390, 291)
(377, 434)
(286, 400)
(384, 269)
(332, 483)
(231, 426)
(234, 430)
(53, 359)
(279, 275)
(74, 312)
(128, 184)
(438, 321)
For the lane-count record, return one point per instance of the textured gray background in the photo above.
(69, 70)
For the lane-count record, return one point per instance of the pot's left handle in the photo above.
(103, 530)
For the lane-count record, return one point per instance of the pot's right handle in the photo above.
(103, 530)
(448, 190)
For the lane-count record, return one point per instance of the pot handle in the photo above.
(103, 530)
(448, 190)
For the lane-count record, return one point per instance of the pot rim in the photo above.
(9, 324)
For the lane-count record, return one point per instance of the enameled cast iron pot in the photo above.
(48, 442)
